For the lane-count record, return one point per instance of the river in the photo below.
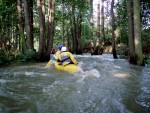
(102, 85)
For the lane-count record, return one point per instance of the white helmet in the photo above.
(63, 49)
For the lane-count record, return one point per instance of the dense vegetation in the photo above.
(30, 28)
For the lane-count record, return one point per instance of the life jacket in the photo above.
(64, 58)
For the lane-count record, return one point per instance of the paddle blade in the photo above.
(48, 64)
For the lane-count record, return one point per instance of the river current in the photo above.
(102, 85)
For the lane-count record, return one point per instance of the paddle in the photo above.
(49, 63)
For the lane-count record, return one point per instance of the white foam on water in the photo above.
(44, 74)
(80, 70)
(29, 73)
(79, 92)
(83, 74)
(117, 67)
(93, 72)
(48, 88)
(3, 81)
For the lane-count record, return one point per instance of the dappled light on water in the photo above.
(101, 85)
(121, 75)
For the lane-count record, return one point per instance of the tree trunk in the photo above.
(30, 2)
(67, 28)
(113, 29)
(63, 36)
(22, 44)
(91, 27)
(50, 25)
(102, 20)
(96, 51)
(131, 54)
(27, 26)
(79, 51)
(42, 42)
(107, 16)
(74, 30)
(137, 33)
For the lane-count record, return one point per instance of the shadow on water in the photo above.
(102, 85)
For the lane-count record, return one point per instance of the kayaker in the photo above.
(66, 57)
(54, 57)
(52, 53)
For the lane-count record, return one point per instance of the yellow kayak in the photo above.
(68, 68)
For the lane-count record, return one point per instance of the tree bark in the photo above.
(63, 36)
(91, 27)
(131, 54)
(96, 51)
(74, 30)
(67, 28)
(22, 45)
(30, 2)
(102, 20)
(42, 42)
(50, 25)
(137, 33)
(79, 51)
(113, 29)
(27, 26)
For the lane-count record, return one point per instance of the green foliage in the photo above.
(122, 49)
(85, 32)
(147, 59)
(29, 56)
(121, 21)
(7, 57)
(146, 35)
(10, 56)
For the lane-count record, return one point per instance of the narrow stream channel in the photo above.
(102, 85)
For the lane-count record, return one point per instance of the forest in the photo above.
(29, 29)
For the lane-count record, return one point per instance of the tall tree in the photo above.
(27, 26)
(63, 9)
(74, 29)
(67, 27)
(131, 55)
(80, 8)
(79, 20)
(91, 27)
(102, 21)
(107, 16)
(137, 33)
(22, 46)
(51, 7)
(96, 51)
(42, 42)
(31, 2)
(113, 31)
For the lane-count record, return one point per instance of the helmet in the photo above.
(63, 49)
(59, 47)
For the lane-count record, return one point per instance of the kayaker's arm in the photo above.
(72, 58)
(56, 56)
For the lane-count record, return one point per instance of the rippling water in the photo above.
(102, 85)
